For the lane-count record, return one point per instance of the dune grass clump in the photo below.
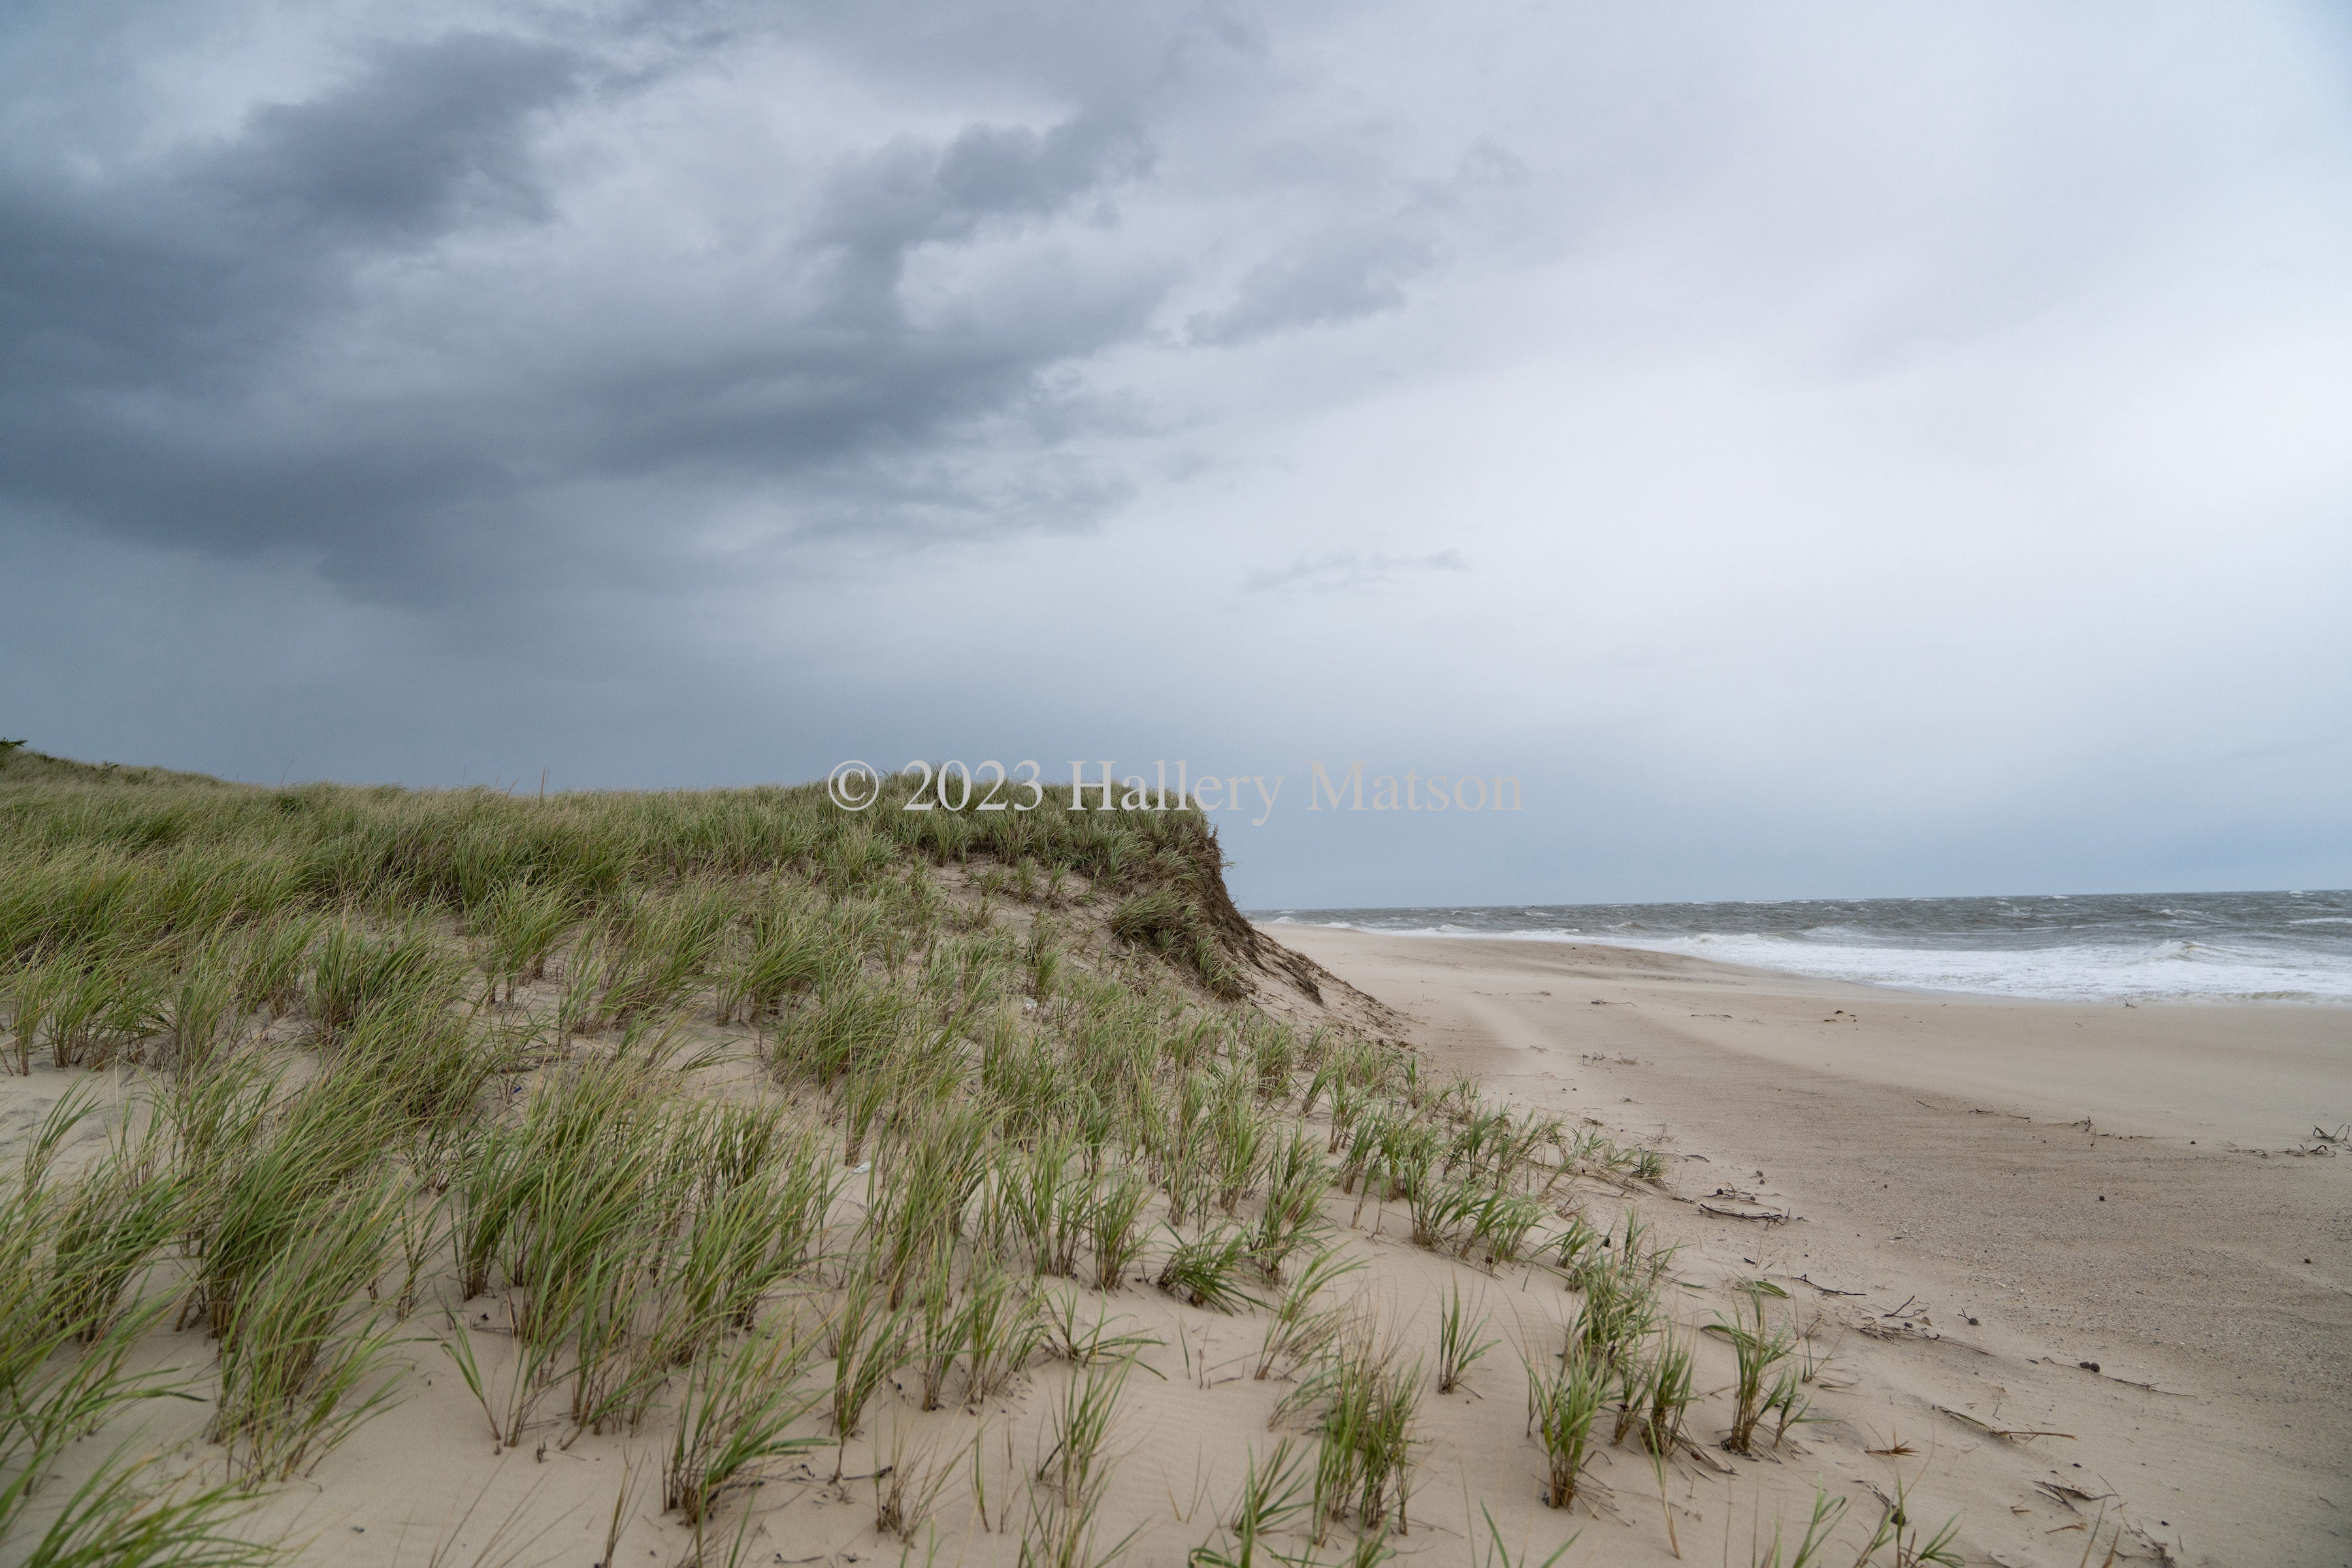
(1062, 1528)
(1655, 1392)
(1459, 1348)
(1760, 1350)
(1361, 1402)
(1297, 1178)
(1115, 1214)
(1210, 1270)
(1272, 1497)
(908, 1486)
(306, 1361)
(759, 1221)
(521, 923)
(1619, 1278)
(1564, 1398)
(867, 1340)
(120, 1518)
(1304, 1324)
(116, 1223)
(1003, 1328)
(69, 1326)
(735, 1415)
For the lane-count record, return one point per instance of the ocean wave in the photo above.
(2251, 946)
(2167, 970)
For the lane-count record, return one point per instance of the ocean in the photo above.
(2290, 946)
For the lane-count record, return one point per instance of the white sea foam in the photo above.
(2172, 969)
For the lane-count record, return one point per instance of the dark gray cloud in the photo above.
(186, 275)
(157, 318)
(425, 138)
(217, 345)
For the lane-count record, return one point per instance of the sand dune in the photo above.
(1965, 1201)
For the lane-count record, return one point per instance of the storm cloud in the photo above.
(373, 324)
(1831, 450)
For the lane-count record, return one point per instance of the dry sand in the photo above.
(1945, 1241)
(2012, 1188)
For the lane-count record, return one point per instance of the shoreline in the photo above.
(2047, 1185)
(1275, 927)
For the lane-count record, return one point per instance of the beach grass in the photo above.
(712, 1118)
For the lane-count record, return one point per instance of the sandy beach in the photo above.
(2009, 1189)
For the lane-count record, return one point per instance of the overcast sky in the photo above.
(1817, 449)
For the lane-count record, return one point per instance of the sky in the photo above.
(1814, 449)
